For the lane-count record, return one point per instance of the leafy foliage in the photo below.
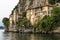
(56, 10)
(49, 23)
(6, 22)
(24, 14)
(53, 1)
(24, 22)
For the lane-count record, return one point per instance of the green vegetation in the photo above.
(24, 14)
(56, 13)
(5, 22)
(56, 10)
(49, 23)
(23, 22)
(53, 1)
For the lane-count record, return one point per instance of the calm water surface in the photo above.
(18, 36)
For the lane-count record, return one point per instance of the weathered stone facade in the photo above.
(36, 14)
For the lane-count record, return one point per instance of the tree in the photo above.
(57, 1)
(5, 22)
(49, 23)
(24, 14)
(53, 1)
(56, 13)
(24, 22)
(45, 24)
(56, 10)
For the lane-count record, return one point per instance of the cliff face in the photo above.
(23, 6)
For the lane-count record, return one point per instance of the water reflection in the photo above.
(45, 37)
(19, 36)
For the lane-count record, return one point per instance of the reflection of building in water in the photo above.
(18, 36)
(32, 37)
(37, 37)
(14, 36)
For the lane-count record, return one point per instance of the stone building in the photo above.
(38, 10)
(37, 13)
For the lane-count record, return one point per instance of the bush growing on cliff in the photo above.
(24, 14)
(56, 11)
(49, 23)
(45, 24)
(53, 1)
(5, 22)
(24, 22)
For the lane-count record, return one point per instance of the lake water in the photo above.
(19, 36)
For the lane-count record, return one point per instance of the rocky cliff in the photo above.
(25, 4)
(21, 7)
